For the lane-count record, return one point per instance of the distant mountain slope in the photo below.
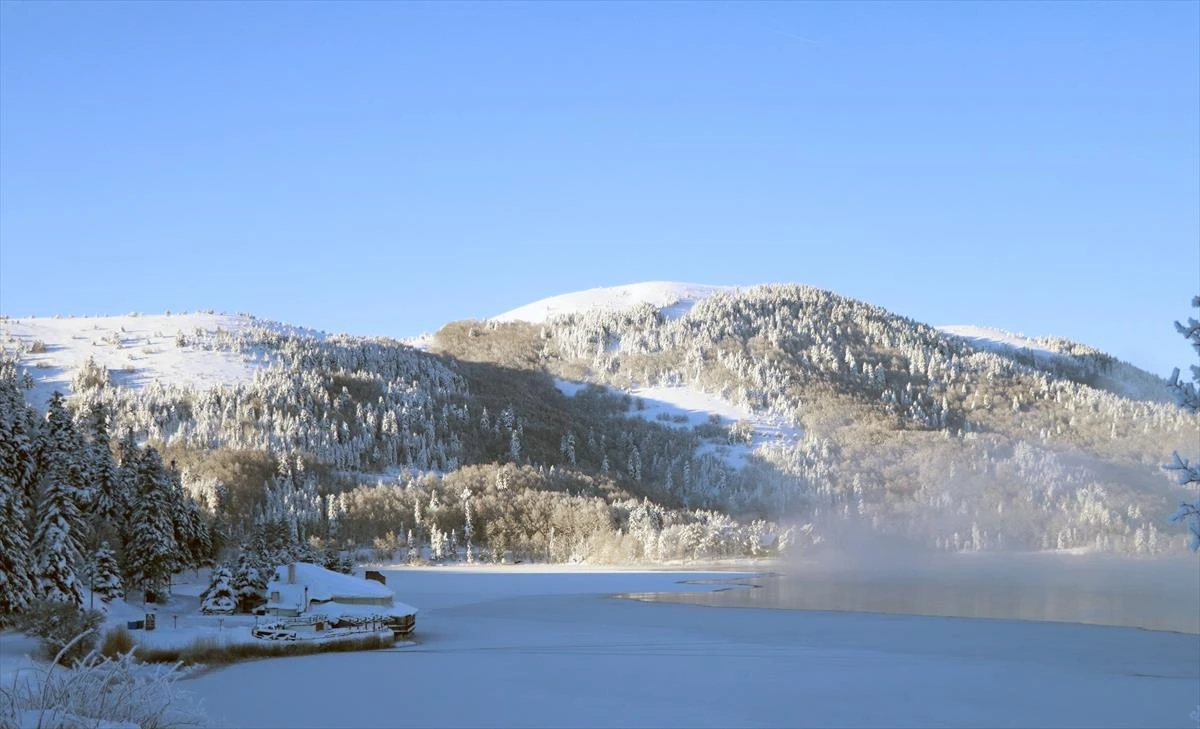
(967, 439)
(1115, 376)
(673, 299)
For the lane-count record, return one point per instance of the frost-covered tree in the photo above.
(129, 455)
(152, 553)
(249, 583)
(17, 472)
(60, 529)
(468, 526)
(106, 575)
(109, 505)
(190, 531)
(514, 446)
(437, 544)
(1188, 396)
(16, 589)
(220, 597)
(55, 549)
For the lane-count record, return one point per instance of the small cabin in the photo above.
(304, 588)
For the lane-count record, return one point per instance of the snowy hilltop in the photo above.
(672, 299)
(198, 350)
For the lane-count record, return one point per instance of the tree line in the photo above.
(80, 512)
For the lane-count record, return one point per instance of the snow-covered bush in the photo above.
(118, 694)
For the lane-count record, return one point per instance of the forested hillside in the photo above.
(534, 439)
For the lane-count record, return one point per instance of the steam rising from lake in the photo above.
(1157, 594)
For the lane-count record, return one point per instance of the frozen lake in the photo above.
(534, 647)
(1157, 594)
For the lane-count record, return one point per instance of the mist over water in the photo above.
(1156, 594)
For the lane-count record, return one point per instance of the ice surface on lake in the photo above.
(542, 649)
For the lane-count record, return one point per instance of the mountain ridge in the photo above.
(673, 299)
(774, 401)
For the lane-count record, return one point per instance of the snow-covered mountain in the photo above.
(767, 400)
(672, 298)
(675, 299)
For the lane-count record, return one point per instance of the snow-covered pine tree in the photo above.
(128, 457)
(17, 472)
(259, 551)
(109, 505)
(331, 559)
(60, 529)
(219, 530)
(219, 598)
(1187, 394)
(187, 525)
(106, 576)
(16, 589)
(151, 552)
(249, 583)
(199, 536)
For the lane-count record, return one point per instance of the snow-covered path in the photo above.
(533, 649)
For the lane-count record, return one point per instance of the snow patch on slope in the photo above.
(137, 349)
(686, 407)
(994, 339)
(673, 299)
(1120, 378)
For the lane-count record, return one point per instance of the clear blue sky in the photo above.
(381, 168)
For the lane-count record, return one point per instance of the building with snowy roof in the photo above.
(303, 588)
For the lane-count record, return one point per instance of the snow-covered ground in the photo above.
(673, 299)
(420, 342)
(16, 650)
(137, 349)
(687, 407)
(996, 339)
(534, 648)
(1121, 378)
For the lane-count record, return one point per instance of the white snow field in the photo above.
(539, 648)
(687, 407)
(672, 298)
(137, 349)
(1122, 378)
(996, 339)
